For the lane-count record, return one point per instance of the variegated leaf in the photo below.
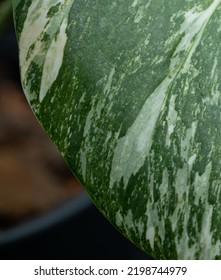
(130, 92)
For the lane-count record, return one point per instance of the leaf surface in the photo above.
(129, 91)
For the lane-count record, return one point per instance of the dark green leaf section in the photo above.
(20, 14)
(134, 106)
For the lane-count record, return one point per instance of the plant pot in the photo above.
(75, 230)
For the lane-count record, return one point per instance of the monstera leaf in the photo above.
(130, 92)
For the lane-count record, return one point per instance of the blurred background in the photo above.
(44, 212)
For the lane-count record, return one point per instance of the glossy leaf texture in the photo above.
(130, 92)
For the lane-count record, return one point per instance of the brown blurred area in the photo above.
(33, 175)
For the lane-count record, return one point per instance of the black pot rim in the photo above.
(70, 208)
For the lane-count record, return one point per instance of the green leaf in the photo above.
(130, 92)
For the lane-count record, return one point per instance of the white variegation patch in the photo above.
(132, 149)
(171, 119)
(53, 60)
(34, 47)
